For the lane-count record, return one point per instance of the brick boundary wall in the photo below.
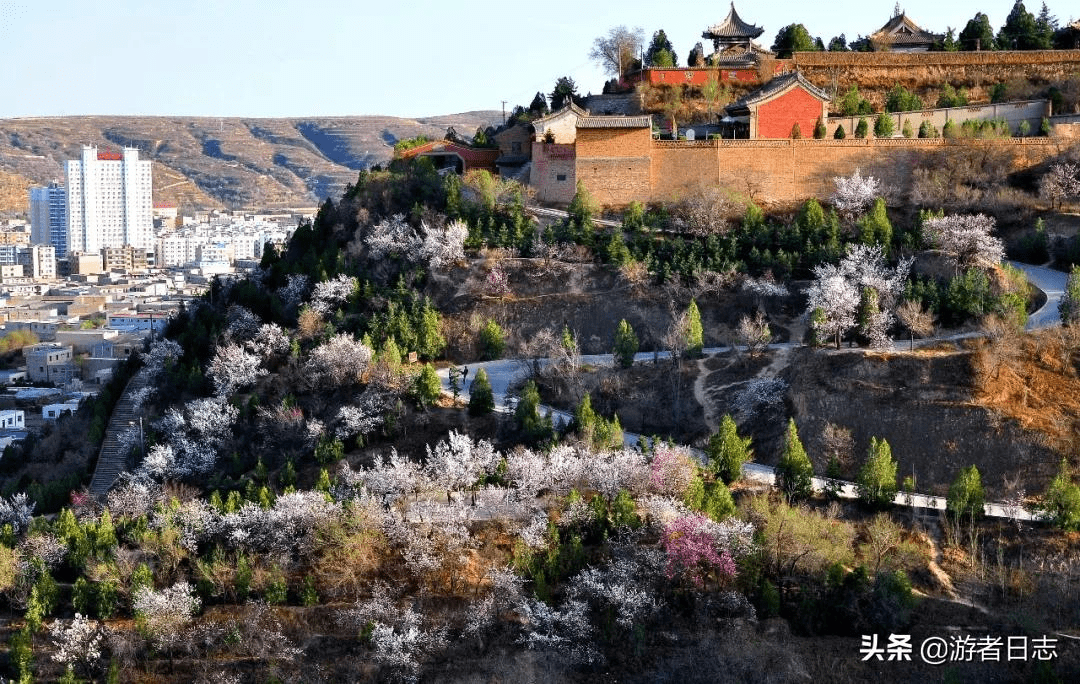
(804, 60)
(777, 172)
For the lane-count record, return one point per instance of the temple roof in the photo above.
(902, 31)
(732, 27)
(773, 88)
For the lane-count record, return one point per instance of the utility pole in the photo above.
(504, 112)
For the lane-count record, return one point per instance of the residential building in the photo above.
(12, 419)
(38, 261)
(132, 320)
(50, 362)
(48, 217)
(109, 200)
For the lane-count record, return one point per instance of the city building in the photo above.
(12, 419)
(109, 201)
(48, 217)
(38, 261)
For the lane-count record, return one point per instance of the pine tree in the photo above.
(862, 128)
(481, 399)
(794, 471)
(727, 451)
(695, 341)
(626, 345)
(840, 134)
(876, 482)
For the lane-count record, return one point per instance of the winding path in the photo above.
(504, 374)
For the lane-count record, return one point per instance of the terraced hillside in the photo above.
(202, 163)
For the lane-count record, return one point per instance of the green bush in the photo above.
(1061, 502)
(492, 341)
(966, 495)
(695, 339)
(900, 99)
(950, 130)
(907, 130)
(928, 130)
(840, 134)
(883, 126)
(819, 129)
(862, 128)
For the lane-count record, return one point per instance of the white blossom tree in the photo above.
(161, 354)
(394, 237)
(16, 511)
(78, 644)
(329, 295)
(1060, 183)
(966, 239)
(243, 324)
(458, 462)
(164, 616)
(855, 193)
(271, 339)
(831, 302)
(233, 368)
(444, 246)
(341, 361)
(194, 433)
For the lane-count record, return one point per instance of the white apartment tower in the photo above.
(48, 217)
(109, 201)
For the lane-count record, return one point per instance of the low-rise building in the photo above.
(50, 362)
(12, 419)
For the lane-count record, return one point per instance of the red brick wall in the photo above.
(699, 77)
(776, 117)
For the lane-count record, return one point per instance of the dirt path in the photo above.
(705, 395)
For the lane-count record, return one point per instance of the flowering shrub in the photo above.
(672, 470)
(696, 548)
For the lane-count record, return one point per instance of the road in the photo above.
(506, 373)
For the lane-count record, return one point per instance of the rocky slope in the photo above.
(202, 163)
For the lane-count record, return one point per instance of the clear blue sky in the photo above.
(317, 57)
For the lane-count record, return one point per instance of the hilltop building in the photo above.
(109, 201)
(901, 34)
(773, 110)
(48, 217)
(733, 42)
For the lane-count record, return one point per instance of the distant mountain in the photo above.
(204, 163)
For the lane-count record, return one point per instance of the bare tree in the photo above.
(754, 333)
(916, 319)
(618, 49)
(705, 211)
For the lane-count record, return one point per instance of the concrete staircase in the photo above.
(113, 457)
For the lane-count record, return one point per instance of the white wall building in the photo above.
(12, 419)
(109, 201)
(48, 217)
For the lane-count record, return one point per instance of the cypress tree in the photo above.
(794, 471)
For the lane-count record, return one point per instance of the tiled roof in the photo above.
(774, 87)
(733, 27)
(902, 31)
(615, 122)
(572, 107)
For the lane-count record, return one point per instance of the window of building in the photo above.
(560, 177)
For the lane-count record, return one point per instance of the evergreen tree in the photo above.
(660, 52)
(966, 495)
(820, 130)
(876, 482)
(1069, 304)
(626, 345)
(796, 131)
(694, 334)
(927, 130)
(1046, 26)
(840, 134)
(481, 399)
(492, 342)
(977, 34)
(533, 428)
(1020, 31)
(427, 387)
(727, 451)
(838, 44)
(874, 226)
(883, 126)
(696, 59)
(907, 130)
(564, 93)
(794, 471)
(793, 38)
(539, 105)
(1061, 502)
(862, 128)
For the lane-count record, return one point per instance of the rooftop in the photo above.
(775, 87)
(732, 27)
(900, 30)
(615, 122)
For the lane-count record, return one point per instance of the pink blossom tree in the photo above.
(695, 551)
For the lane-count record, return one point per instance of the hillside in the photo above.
(202, 163)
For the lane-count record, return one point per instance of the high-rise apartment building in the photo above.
(48, 217)
(109, 201)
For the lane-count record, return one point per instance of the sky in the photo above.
(291, 58)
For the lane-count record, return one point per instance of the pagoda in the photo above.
(732, 32)
(901, 34)
(733, 42)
